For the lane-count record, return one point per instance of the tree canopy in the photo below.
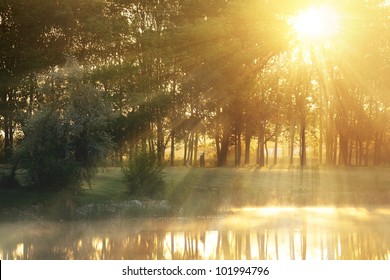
(226, 77)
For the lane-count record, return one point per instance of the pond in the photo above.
(252, 233)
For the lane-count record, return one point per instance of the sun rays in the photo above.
(316, 23)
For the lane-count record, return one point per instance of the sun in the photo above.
(316, 23)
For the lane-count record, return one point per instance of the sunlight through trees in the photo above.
(247, 82)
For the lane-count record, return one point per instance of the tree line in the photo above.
(122, 76)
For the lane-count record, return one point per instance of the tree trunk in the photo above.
(329, 147)
(350, 152)
(151, 146)
(218, 146)
(173, 148)
(276, 146)
(361, 152)
(196, 149)
(191, 150)
(377, 149)
(143, 144)
(31, 94)
(303, 145)
(132, 149)
(237, 149)
(261, 149)
(292, 137)
(334, 161)
(8, 141)
(8, 126)
(357, 152)
(160, 143)
(343, 154)
(222, 160)
(120, 151)
(367, 153)
(247, 148)
(185, 150)
(222, 145)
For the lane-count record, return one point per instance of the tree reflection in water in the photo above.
(348, 233)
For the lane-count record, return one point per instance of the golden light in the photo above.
(19, 251)
(316, 23)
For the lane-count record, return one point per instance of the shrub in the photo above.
(8, 182)
(143, 176)
(43, 153)
(66, 141)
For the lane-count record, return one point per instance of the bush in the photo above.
(43, 153)
(51, 173)
(68, 138)
(144, 177)
(8, 182)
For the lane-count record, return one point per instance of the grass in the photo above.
(290, 187)
(108, 184)
(208, 191)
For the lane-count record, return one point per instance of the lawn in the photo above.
(287, 187)
(207, 191)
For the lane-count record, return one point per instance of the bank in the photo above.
(204, 192)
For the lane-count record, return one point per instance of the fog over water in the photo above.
(251, 233)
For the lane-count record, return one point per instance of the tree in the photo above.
(26, 46)
(175, 70)
(143, 176)
(227, 50)
(34, 37)
(65, 142)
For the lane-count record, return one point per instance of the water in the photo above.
(258, 233)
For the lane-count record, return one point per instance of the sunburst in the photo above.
(316, 23)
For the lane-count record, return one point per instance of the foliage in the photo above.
(65, 142)
(7, 181)
(43, 153)
(236, 66)
(143, 176)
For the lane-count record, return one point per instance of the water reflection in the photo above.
(265, 233)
